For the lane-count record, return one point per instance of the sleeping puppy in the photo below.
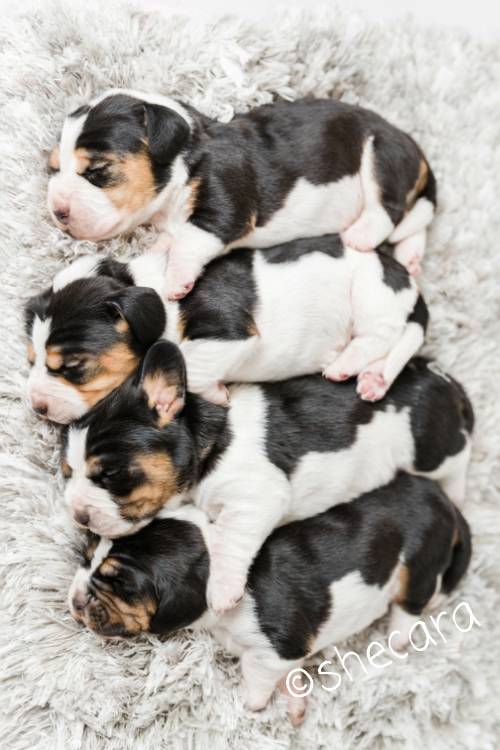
(279, 452)
(307, 306)
(277, 173)
(313, 582)
(89, 331)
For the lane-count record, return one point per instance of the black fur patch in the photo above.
(84, 313)
(247, 168)
(168, 563)
(289, 252)
(395, 275)
(420, 314)
(115, 270)
(290, 578)
(222, 303)
(310, 413)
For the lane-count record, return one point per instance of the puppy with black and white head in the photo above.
(277, 173)
(77, 359)
(313, 582)
(307, 306)
(280, 451)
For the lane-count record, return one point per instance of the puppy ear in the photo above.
(163, 379)
(167, 133)
(36, 306)
(142, 309)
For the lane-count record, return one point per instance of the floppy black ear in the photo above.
(163, 379)
(167, 133)
(143, 310)
(36, 306)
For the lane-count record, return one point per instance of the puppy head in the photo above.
(86, 335)
(132, 453)
(114, 157)
(152, 581)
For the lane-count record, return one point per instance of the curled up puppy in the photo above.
(312, 305)
(277, 173)
(314, 582)
(279, 452)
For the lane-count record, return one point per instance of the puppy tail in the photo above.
(461, 554)
(409, 343)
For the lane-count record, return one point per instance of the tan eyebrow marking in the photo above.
(54, 358)
(31, 353)
(54, 159)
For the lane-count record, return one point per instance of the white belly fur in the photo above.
(309, 211)
(322, 480)
(304, 316)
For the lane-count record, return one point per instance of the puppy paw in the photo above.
(217, 394)
(359, 237)
(177, 285)
(223, 594)
(413, 267)
(371, 386)
(336, 372)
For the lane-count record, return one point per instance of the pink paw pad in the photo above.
(371, 386)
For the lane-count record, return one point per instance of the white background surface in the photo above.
(479, 17)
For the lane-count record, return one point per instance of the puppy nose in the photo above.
(42, 410)
(62, 216)
(82, 518)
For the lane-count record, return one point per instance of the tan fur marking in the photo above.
(194, 186)
(93, 465)
(31, 353)
(82, 160)
(54, 159)
(93, 541)
(419, 185)
(253, 330)
(121, 326)
(135, 618)
(181, 325)
(110, 567)
(54, 358)
(404, 577)
(251, 227)
(135, 186)
(161, 484)
(66, 469)
(114, 367)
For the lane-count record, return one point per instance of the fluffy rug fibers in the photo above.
(63, 688)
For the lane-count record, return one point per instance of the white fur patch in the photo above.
(82, 268)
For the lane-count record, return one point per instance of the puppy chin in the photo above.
(111, 528)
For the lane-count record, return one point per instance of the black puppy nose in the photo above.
(62, 216)
(82, 518)
(41, 410)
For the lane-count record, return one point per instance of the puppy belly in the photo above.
(309, 211)
(322, 480)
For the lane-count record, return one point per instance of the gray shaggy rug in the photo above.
(64, 689)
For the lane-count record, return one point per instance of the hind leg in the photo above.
(374, 224)
(410, 251)
(359, 352)
(262, 671)
(400, 623)
(453, 483)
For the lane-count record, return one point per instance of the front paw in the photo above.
(224, 593)
(217, 394)
(177, 285)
